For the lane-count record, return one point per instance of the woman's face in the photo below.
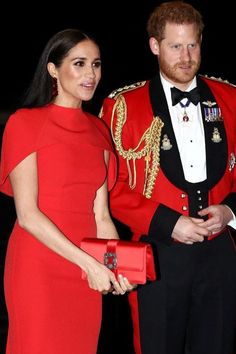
(78, 75)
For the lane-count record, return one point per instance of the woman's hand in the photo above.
(125, 285)
(102, 279)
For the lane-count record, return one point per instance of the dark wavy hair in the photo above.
(40, 91)
(177, 12)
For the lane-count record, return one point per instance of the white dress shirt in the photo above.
(190, 137)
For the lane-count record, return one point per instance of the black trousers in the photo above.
(191, 308)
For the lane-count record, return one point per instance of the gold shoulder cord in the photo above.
(150, 150)
(219, 79)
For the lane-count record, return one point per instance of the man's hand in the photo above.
(189, 230)
(218, 217)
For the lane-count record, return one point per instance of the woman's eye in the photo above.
(97, 64)
(79, 63)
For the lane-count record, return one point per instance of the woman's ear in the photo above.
(52, 70)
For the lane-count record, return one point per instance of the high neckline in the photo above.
(67, 117)
(56, 106)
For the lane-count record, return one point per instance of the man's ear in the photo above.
(154, 45)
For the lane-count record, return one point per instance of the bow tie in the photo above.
(177, 95)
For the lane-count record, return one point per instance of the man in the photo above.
(175, 137)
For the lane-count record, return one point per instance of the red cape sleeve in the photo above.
(112, 163)
(19, 141)
(106, 143)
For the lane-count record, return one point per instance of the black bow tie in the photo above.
(177, 95)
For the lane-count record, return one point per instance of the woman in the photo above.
(54, 162)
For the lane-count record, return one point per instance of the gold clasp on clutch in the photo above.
(110, 260)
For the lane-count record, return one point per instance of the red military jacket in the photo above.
(150, 175)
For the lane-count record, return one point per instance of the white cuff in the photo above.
(232, 222)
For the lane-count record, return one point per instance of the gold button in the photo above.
(184, 208)
(183, 195)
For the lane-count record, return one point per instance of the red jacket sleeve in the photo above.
(127, 205)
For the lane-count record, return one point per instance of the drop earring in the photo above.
(54, 87)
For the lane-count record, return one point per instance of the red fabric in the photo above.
(51, 309)
(133, 301)
(133, 260)
(130, 206)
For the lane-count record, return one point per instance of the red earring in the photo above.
(54, 87)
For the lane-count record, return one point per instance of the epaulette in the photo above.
(219, 79)
(126, 88)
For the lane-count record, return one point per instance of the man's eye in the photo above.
(176, 46)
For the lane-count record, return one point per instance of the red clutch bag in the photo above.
(132, 259)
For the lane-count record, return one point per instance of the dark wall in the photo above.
(119, 27)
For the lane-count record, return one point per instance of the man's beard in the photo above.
(173, 74)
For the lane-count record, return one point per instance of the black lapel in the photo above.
(169, 159)
(216, 152)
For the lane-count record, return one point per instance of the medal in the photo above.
(184, 106)
(232, 161)
(166, 145)
(211, 113)
(216, 138)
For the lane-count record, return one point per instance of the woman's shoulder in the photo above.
(26, 119)
(98, 122)
(23, 115)
(101, 130)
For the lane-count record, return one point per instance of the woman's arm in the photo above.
(24, 181)
(105, 225)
